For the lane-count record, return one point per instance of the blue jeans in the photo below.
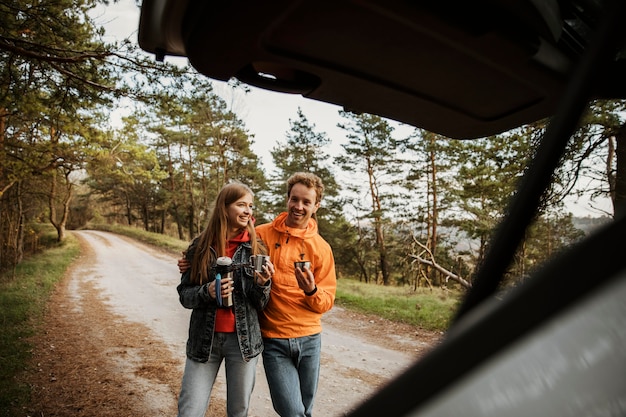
(199, 377)
(292, 368)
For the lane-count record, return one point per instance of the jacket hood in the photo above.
(280, 226)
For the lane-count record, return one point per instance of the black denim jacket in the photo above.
(248, 299)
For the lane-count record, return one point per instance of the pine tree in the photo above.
(370, 154)
(304, 151)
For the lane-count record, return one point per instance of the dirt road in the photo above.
(113, 342)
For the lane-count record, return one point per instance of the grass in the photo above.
(25, 291)
(430, 309)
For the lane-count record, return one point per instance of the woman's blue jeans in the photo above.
(292, 368)
(199, 378)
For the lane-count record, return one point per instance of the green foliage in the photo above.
(372, 154)
(197, 144)
(23, 296)
(546, 237)
(60, 81)
(304, 151)
(182, 142)
(430, 309)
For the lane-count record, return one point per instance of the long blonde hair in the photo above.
(215, 234)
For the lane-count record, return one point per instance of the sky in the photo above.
(266, 114)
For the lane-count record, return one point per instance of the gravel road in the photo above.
(138, 284)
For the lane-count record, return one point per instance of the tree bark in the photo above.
(619, 200)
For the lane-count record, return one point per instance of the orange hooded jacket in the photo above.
(290, 312)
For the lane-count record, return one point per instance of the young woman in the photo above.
(217, 333)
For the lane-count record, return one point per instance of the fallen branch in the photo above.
(432, 263)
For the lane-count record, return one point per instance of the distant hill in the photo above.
(588, 224)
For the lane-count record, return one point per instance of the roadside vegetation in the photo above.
(431, 309)
(25, 290)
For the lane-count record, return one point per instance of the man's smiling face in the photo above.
(301, 206)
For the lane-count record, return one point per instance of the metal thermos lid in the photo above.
(224, 261)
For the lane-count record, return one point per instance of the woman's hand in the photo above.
(227, 288)
(266, 274)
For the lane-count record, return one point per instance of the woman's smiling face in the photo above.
(240, 212)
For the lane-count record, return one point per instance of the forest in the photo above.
(416, 210)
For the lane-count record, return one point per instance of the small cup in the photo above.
(257, 262)
(302, 265)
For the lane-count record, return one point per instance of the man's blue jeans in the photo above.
(292, 368)
(198, 379)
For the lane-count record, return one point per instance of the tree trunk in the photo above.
(61, 223)
(129, 212)
(619, 200)
(19, 244)
(145, 213)
(435, 209)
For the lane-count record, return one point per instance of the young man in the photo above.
(291, 322)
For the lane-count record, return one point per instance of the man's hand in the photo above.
(306, 280)
(183, 264)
